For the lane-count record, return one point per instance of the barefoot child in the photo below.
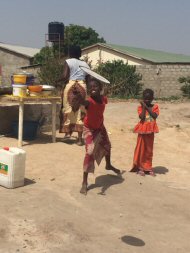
(97, 143)
(148, 112)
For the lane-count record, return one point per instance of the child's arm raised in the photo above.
(152, 114)
(143, 113)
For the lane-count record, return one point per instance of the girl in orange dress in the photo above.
(146, 128)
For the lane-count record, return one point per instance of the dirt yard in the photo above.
(133, 214)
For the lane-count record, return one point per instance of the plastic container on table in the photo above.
(23, 78)
(19, 79)
(12, 167)
(19, 90)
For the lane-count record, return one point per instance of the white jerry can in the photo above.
(12, 167)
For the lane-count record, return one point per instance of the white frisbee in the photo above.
(94, 74)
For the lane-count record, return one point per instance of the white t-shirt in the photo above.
(76, 73)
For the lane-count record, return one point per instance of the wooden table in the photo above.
(23, 100)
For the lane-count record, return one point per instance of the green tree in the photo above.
(51, 71)
(49, 57)
(81, 36)
(186, 87)
(44, 55)
(124, 80)
(74, 35)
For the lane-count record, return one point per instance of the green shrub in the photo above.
(186, 87)
(171, 98)
(124, 81)
(50, 71)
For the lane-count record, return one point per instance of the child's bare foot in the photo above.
(151, 173)
(79, 143)
(66, 137)
(110, 167)
(83, 189)
(141, 173)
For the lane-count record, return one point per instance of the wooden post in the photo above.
(20, 125)
(53, 121)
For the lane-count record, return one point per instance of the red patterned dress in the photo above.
(97, 143)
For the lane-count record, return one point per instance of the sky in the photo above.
(152, 24)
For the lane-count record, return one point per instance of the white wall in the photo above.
(99, 54)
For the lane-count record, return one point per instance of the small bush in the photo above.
(124, 80)
(186, 87)
(171, 98)
(50, 71)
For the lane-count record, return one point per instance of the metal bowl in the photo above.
(48, 87)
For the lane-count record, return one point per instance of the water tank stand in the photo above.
(57, 41)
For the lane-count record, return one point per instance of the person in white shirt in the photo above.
(71, 116)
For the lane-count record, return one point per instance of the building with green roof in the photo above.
(101, 52)
(160, 70)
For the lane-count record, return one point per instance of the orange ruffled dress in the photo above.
(149, 125)
(144, 149)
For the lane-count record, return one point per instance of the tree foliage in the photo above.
(73, 35)
(51, 71)
(124, 80)
(81, 36)
(44, 55)
(49, 57)
(186, 87)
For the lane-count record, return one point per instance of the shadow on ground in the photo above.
(105, 182)
(133, 241)
(160, 170)
(28, 181)
(47, 138)
(41, 139)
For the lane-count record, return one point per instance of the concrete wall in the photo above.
(10, 63)
(34, 112)
(163, 79)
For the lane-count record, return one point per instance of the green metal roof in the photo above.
(151, 55)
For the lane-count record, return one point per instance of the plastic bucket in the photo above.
(19, 90)
(19, 79)
(30, 129)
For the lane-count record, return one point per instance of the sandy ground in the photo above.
(133, 214)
